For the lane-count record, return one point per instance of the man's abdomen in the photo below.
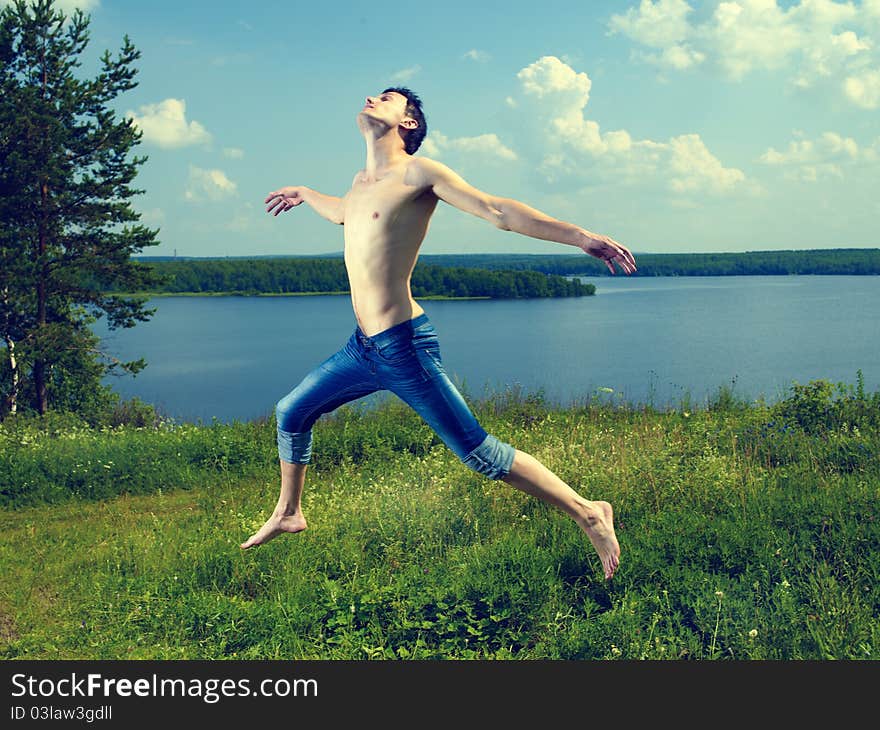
(380, 306)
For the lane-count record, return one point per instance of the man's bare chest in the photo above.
(380, 202)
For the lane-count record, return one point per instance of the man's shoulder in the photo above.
(426, 164)
(425, 170)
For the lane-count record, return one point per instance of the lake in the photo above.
(664, 341)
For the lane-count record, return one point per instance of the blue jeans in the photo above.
(404, 359)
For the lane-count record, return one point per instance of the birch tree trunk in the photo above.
(12, 398)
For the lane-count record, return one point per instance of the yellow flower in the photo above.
(753, 633)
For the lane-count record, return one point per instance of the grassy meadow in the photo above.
(748, 531)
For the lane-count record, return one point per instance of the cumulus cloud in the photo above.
(864, 89)
(485, 144)
(210, 185)
(656, 24)
(549, 77)
(164, 124)
(809, 39)
(661, 25)
(693, 167)
(551, 102)
(810, 160)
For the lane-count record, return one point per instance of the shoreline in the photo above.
(158, 295)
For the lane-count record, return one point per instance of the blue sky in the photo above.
(671, 126)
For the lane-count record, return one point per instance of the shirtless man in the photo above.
(394, 347)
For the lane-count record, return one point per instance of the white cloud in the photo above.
(864, 89)
(662, 25)
(233, 153)
(208, 185)
(829, 146)
(485, 144)
(694, 168)
(399, 77)
(808, 39)
(550, 104)
(655, 24)
(810, 160)
(475, 55)
(678, 57)
(548, 77)
(165, 125)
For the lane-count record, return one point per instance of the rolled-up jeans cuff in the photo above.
(492, 458)
(295, 448)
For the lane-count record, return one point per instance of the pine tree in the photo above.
(67, 228)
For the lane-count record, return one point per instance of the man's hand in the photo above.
(609, 251)
(284, 199)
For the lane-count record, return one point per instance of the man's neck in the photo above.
(383, 153)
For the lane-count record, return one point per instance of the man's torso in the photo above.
(386, 220)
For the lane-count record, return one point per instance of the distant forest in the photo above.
(328, 275)
(752, 263)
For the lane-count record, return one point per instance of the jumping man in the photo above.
(394, 346)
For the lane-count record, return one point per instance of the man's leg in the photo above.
(341, 378)
(441, 405)
(596, 519)
(421, 381)
(287, 515)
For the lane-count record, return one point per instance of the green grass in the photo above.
(748, 531)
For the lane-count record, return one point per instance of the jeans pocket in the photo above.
(430, 360)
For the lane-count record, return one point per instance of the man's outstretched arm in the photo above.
(511, 215)
(327, 206)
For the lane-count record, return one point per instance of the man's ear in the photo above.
(409, 123)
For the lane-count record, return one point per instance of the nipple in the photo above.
(375, 214)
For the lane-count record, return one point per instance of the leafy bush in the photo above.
(820, 406)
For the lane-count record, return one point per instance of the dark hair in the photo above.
(413, 139)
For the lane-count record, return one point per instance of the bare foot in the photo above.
(599, 526)
(276, 525)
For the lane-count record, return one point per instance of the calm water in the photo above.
(651, 340)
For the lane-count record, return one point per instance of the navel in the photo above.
(375, 214)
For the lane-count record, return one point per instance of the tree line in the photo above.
(327, 275)
(842, 261)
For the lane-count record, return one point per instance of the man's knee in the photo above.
(294, 437)
(492, 458)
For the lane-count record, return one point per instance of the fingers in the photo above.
(626, 262)
(278, 205)
(623, 256)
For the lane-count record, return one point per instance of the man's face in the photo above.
(388, 108)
